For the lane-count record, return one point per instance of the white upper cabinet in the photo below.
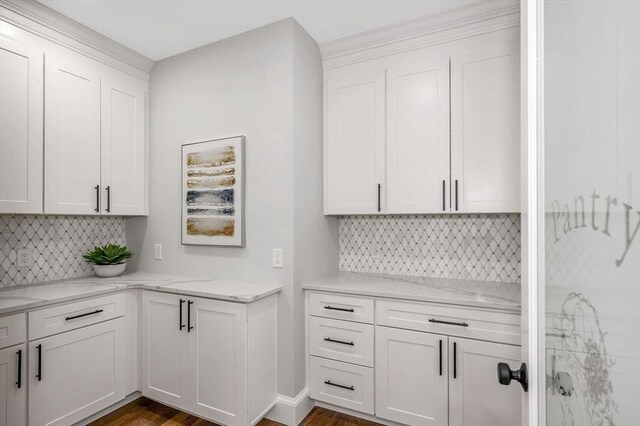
(427, 131)
(354, 145)
(72, 139)
(21, 109)
(95, 143)
(485, 130)
(123, 149)
(418, 136)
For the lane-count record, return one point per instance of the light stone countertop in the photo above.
(484, 294)
(23, 297)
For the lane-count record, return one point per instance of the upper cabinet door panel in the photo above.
(123, 149)
(21, 109)
(72, 135)
(485, 130)
(418, 136)
(354, 145)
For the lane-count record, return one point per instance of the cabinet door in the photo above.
(13, 386)
(21, 109)
(218, 361)
(485, 130)
(164, 358)
(418, 136)
(354, 144)
(411, 377)
(475, 396)
(72, 135)
(76, 374)
(123, 149)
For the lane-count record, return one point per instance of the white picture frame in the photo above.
(213, 192)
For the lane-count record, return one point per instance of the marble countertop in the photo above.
(495, 295)
(23, 297)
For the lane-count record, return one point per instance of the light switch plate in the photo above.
(157, 251)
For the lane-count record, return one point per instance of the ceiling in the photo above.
(162, 28)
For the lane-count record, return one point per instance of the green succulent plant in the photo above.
(111, 254)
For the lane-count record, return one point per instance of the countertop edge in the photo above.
(121, 288)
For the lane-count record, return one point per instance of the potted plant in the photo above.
(108, 261)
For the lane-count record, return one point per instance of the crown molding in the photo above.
(464, 22)
(45, 22)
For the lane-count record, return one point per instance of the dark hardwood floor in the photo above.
(145, 412)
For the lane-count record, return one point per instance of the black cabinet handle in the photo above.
(181, 324)
(97, 188)
(379, 203)
(339, 309)
(189, 328)
(328, 382)
(19, 381)
(329, 339)
(108, 199)
(456, 194)
(440, 357)
(459, 324)
(97, 311)
(455, 360)
(39, 373)
(443, 196)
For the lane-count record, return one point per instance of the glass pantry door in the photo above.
(590, 192)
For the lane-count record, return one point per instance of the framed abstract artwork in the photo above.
(213, 192)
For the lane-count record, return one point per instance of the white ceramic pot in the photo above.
(108, 271)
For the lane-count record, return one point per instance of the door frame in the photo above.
(532, 217)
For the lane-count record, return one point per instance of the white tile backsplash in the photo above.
(483, 247)
(57, 244)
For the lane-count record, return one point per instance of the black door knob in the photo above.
(506, 374)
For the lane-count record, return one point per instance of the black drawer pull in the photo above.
(339, 309)
(39, 373)
(328, 382)
(329, 339)
(459, 324)
(97, 311)
(19, 381)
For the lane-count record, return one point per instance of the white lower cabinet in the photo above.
(75, 374)
(213, 358)
(164, 363)
(475, 396)
(13, 386)
(432, 363)
(411, 376)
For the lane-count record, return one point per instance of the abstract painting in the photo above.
(213, 192)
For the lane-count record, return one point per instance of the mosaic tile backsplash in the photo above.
(57, 244)
(484, 247)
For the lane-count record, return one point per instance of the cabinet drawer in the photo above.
(341, 307)
(74, 315)
(342, 340)
(13, 330)
(339, 383)
(453, 321)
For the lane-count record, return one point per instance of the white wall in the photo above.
(265, 84)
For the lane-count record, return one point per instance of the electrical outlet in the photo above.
(24, 258)
(157, 251)
(375, 251)
(277, 258)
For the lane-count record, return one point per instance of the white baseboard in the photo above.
(291, 411)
